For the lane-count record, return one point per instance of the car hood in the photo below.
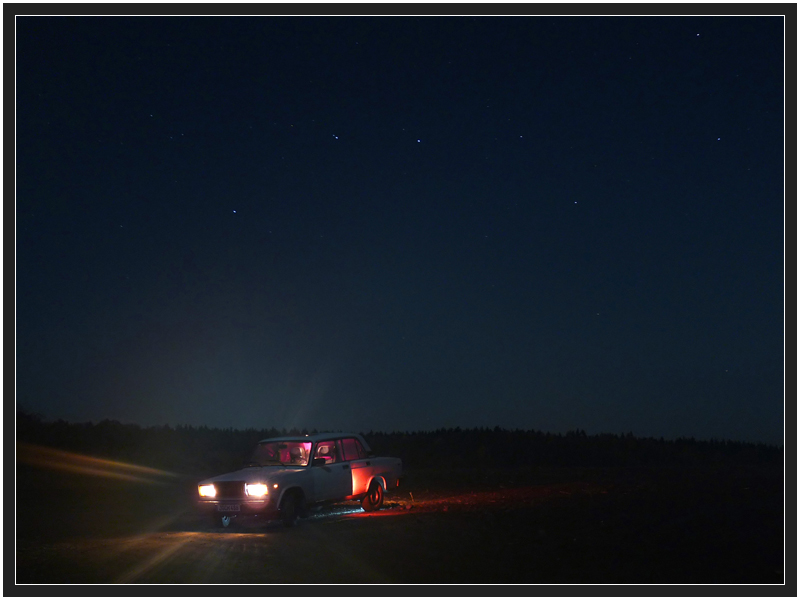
(253, 474)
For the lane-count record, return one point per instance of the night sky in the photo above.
(403, 223)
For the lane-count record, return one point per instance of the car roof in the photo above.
(317, 437)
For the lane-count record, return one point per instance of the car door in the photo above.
(354, 453)
(332, 480)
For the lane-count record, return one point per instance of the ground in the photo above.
(468, 526)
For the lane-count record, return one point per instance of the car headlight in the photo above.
(208, 490)
(255, 489)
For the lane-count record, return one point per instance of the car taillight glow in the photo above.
(256, 489)
(208, 490)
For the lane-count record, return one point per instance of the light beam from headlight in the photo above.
(53, 458)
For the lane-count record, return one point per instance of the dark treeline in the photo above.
(485, 447)
(203, 450)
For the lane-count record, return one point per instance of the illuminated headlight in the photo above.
(208, 490)
(255, 489)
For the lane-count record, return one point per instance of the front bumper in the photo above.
(238, 506)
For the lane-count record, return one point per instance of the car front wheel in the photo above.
(290, 509)
(374, 498)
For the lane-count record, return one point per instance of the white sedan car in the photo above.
(287, 475)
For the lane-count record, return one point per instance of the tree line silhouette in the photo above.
(200, 451)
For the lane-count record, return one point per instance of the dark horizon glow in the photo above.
(403, 223)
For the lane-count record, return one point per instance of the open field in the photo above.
(526, 525)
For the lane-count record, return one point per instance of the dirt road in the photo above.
(457, 527)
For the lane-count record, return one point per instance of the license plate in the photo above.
(229, 507)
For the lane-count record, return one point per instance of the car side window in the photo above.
(327, 450)
(361, 452)
(353, 450)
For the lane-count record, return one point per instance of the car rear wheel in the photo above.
(374, 498)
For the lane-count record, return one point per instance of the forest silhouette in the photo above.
(198, 451)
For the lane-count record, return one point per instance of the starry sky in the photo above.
(403, 223)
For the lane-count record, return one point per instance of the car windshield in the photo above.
(280, 453)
